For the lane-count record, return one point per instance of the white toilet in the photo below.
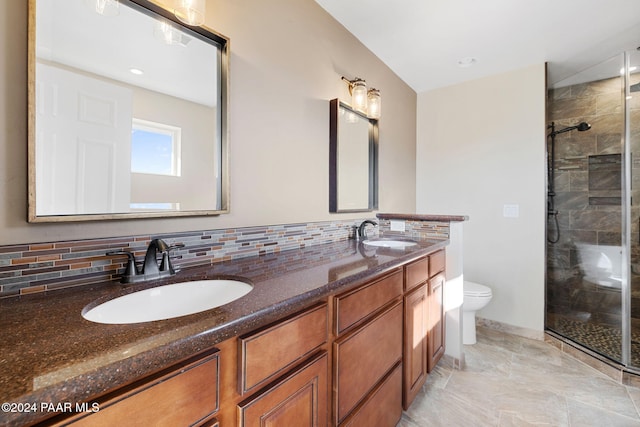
(476, 296)
(601, 264)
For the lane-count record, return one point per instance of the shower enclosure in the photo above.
(593, 215)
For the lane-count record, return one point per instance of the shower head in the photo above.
(581, 127)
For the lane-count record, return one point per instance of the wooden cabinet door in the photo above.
(436, 320)
(364, 357)
(300, 400)
(384, 407)
(416, 319)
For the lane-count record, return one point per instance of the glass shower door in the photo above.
(586, 206)
(632, 99)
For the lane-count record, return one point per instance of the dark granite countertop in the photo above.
(424, 217)
(50, 354)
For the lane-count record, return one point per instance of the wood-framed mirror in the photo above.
(353, 160)
(127, 113)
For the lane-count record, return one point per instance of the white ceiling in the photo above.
(73, 34)
(423, 40)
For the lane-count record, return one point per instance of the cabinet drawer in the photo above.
(416, 273)
(364, 357)
(265, 354)
(300, 399)
(184, 397)
(354, 306)
(437, 263)
(384, 406)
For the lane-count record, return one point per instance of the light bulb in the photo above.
(359, 95)
(374, 104)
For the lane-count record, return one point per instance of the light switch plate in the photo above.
(396, 225)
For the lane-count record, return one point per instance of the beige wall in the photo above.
(481, 145)
(287, 57)
(197, 123)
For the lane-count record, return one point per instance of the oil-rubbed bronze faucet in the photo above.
(150, 269)
(362, 232)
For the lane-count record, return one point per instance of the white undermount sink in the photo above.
(389, 243)
(168, 301)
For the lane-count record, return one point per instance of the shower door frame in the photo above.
(626, 218)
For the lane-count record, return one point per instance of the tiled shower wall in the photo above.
(588, 171)
(581, 216)
(588, 167)
(43, 267)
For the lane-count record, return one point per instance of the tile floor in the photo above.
(514, 381)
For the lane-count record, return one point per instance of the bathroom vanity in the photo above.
(335, 334)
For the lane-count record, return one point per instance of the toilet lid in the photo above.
(476, 289)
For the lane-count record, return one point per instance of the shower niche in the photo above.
(605, 183)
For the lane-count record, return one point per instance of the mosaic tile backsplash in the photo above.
(40, 267)
(417, 228)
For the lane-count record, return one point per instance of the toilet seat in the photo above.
(473, 289)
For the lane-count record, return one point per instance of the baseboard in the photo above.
(510, 329)
(454, 362)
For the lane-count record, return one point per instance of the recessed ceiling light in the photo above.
(136, 71)
(467, 62)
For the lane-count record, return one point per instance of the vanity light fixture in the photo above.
(367, 101)
(191, 12)
(104, 7)
(374, 103)
(358, 90)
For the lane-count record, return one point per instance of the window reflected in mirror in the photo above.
(155, 148)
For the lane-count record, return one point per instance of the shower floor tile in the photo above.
(599, 337)
(513, 381)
